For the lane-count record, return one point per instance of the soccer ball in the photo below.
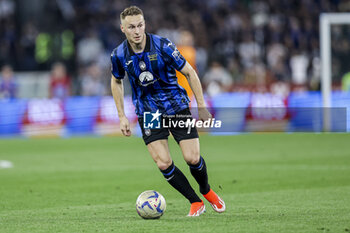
(150, 204)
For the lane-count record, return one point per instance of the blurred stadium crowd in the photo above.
(235, 45)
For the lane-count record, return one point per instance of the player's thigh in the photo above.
(190, 150)
(159, 151)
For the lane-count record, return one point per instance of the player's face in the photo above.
(133, 27)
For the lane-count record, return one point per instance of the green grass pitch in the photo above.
(270, 183)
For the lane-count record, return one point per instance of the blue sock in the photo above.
(199, 172)
(179, 181)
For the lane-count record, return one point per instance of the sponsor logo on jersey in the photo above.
(146, 78)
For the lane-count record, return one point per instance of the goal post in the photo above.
(326, 21)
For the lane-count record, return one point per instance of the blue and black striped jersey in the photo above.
(152, 75)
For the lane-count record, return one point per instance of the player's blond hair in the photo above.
(129, 11)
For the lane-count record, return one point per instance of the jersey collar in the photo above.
(147, 46)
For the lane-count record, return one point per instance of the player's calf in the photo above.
(199, 172)
(179, 181)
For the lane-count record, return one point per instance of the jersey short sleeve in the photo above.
(117, 68)
(172, 55)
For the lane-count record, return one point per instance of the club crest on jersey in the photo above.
(142, 65)
(146, 78)
(148, 132)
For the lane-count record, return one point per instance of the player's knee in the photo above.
(192, 160)
(191, 156)
(162, 165)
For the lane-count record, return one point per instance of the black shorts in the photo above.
(179, 133)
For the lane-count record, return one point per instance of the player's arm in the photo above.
(195, 84)
(118, 96)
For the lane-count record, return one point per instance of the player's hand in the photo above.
(125, 126)
(204, 114)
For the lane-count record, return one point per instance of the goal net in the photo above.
(335, 61)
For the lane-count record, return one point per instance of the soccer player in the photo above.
(150, 62)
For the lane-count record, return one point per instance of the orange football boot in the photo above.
(197, 208)
(215, 201)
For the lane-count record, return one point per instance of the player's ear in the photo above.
(121, 27)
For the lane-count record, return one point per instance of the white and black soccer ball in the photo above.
(150, 204)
